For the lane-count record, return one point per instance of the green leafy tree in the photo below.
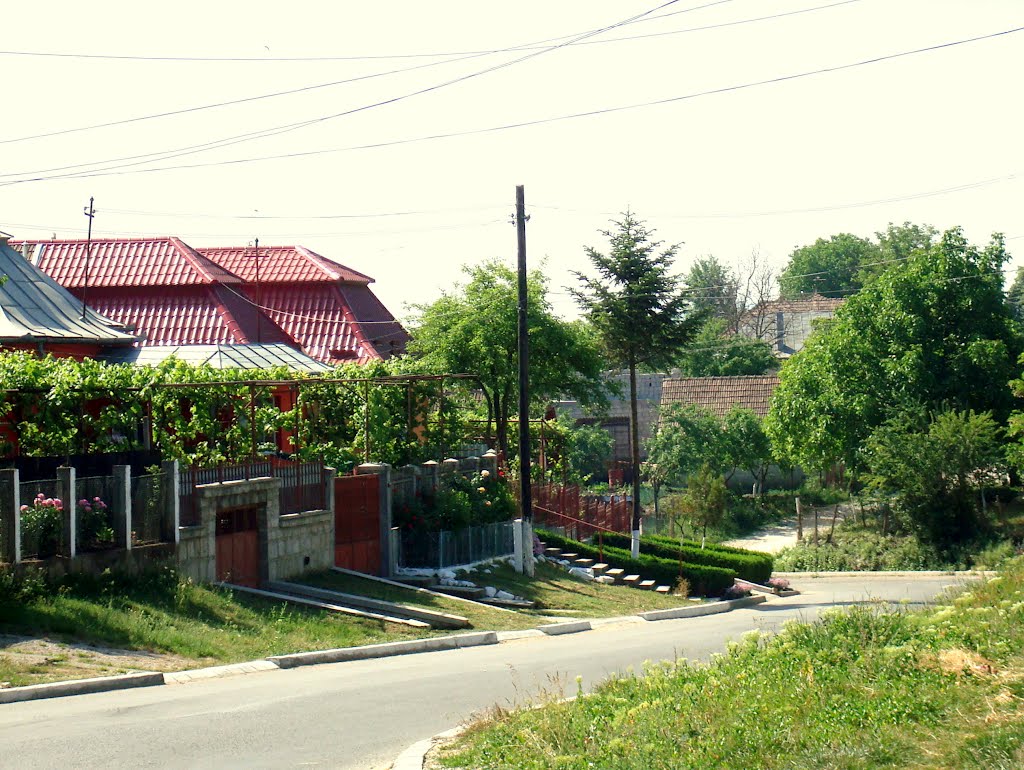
(716, 353)
(588, 448)
(1015, 295)
(705, 501)
(746, 443)
(831, 267)
(934, 468)
(712, 288)
(473, 330)
(636, 306)
(931, 331)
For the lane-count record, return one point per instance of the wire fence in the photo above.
(147, 508)
(42, 520)
(440, 550)
(557, 505)
(97, 505)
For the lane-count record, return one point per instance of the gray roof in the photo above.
(35, 308)
(262, 356)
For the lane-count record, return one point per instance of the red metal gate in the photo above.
(357, 523)
(238, 546)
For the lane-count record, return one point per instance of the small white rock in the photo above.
(504, 595)
(490, 591)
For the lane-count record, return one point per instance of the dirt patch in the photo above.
(26, 660)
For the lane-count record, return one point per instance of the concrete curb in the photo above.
(568, 627)
(385, 650)
(698, 610)
(412, 758)
(905, 573)
(80, 687)
(217, 672)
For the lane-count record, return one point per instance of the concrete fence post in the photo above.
(329, 476)
(170, 524)
(123, 502)
(10, 515)
(428, 476)
(66, 492)
(450, 466)
(395, 548)
(489, 462)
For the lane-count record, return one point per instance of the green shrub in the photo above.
(749, 565)
(705, 580)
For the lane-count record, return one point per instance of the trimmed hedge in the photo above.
(749, 565)
(704, 580)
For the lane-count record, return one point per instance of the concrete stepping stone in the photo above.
(631, 580)
(645, 585)
(599, 569)
(615, 573)
(569, 557)
(584, 563)
(552, 553)
(663, 590)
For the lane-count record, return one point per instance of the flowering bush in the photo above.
(735, 592)
(778, 584)
(42, 525)
(94, 523)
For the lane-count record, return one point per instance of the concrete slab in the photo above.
(568, 627)
(80, 686)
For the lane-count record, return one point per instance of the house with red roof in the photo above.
(172, 294)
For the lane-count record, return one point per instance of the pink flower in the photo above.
(58, 504)
(83, 502)
(40, 496)
(96, 500)
(24, 508)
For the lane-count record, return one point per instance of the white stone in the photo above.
(490, 591)
(504, 595)
(608, 580)
(580, 572)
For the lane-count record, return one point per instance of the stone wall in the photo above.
(300, 542)
(288, 545)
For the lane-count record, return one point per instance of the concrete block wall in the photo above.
(300, 542)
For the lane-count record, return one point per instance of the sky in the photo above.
(390, 136)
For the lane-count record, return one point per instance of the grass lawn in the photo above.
(93, 627)
(864, 688)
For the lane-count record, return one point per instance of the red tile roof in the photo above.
(720, 394)
(124, 262)
(280, 264)
(196, 316)
(318, 318)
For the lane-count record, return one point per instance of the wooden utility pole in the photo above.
(524, 393)
(90, 212)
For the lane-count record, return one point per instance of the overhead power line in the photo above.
(117, 171)
(289, 127)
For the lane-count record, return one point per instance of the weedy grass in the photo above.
(865, 687)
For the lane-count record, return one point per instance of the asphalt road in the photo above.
(363, 714)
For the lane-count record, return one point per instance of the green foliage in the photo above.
(829, 267)
(713, 289)
(585, 451)
(932, 470)
(474, 330)
(702, 579)
(690, 437)
(748, 565)
(460, 501)
(634, 303)
(42, 526)
(716, 353)
(867, 687)
(927, 332)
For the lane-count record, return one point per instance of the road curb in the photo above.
(904, 573)
(568, 627)
(80, 687)
(386, 650)
(699, 610)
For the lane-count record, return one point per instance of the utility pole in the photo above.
(259, 297)
(90, 212)
(524, 394)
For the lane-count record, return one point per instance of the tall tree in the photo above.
(639, 311)
(933, 331)
(831, 267)
(712, 288)
(472, 330)
(715, 353)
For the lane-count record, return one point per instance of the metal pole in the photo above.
(524, 392)
(90, 212)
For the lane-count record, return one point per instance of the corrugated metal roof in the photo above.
(125, 262)
(279, 264)
(720, 394)
(35, 308)
(222, 357)
(378, 326)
